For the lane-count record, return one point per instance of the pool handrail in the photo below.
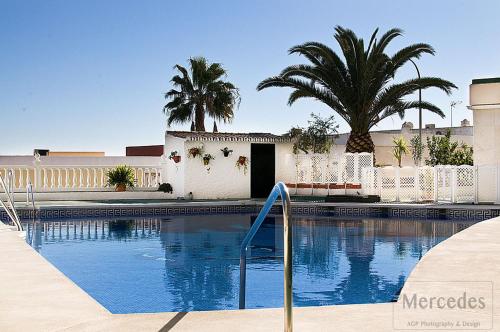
(30, 195)
(279, 190)
(10, 210)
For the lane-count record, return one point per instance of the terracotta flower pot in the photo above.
(121, 187)
(177, 159)
(242, 161)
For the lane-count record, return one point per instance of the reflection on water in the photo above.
(192, 262)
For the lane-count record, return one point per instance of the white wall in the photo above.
(175, 172)
(221, 178)
(285, 163)
(485, 103)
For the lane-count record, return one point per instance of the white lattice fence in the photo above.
(454, 184)
(334, 171)
(388, 184)
(444, 183)
(330, 168)
(465, 188)
(426, 184)
(304, 169)
(408, 184)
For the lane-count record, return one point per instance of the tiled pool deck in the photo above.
(35, 296)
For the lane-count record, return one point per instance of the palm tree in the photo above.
(361, 87)
(198, 92)
(399, 149)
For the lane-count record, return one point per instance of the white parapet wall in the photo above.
(485, 104)
(60, 174)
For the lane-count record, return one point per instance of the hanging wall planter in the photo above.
(195, 151)
(174, 155)
(242, 162)
(206, 159)
(226, 151)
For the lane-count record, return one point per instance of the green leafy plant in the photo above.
(206, 158)
(226, 151)
(195, 151)
(317, 137)
(242, 162)
(400, 148)
(121, 177)
(166, 188)
(442, 151)
(174, 155)
(417, 149)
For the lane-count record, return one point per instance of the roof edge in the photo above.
(486, 80)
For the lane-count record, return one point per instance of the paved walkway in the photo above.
(35, 296)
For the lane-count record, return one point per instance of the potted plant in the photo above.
(226, 151)
(206, 158)
(242, 162)
(174, 155)
(121, 177)
(195, 151)
(166, 188)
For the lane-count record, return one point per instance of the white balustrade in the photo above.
(76, 178)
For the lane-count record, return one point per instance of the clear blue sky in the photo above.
(90, 75)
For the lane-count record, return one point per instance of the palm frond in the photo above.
(358, 85)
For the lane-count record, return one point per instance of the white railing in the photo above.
(331, 168)
(453, 184)
(76, 178)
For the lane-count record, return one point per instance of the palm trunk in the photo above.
(199, 118)
(360, 143)
(215, 128)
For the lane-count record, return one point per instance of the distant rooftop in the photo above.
(233, 137)
(486, 80)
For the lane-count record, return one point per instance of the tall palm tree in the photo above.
(360, 88)
(198, 92)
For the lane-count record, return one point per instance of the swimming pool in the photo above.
(186, 263)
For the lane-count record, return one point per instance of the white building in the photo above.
(269, 159)
(383, 140)
(485, 105)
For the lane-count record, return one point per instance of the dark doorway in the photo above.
(261, 170)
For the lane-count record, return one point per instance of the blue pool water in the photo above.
(191, 263)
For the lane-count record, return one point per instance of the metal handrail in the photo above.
(11, 212)
(279, 190)
(29, 194)
(9, 181)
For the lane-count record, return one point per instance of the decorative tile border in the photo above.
(435, 213)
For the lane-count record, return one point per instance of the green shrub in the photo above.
(166, 188)
(442, 151)
(121, 175)
(316, 138)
